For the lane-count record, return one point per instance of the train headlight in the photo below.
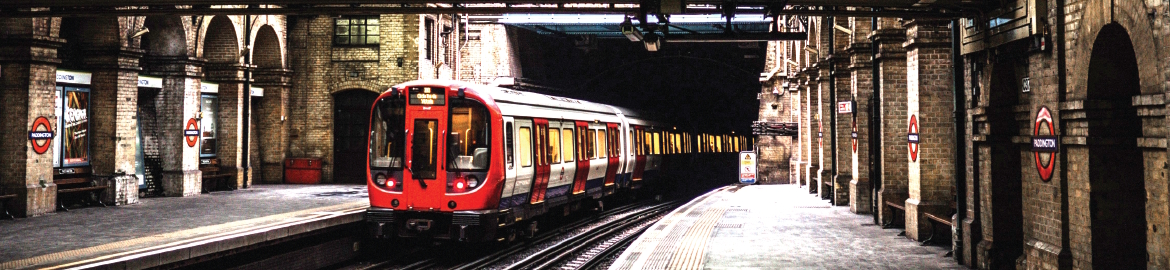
(472, 182)
(380, 179)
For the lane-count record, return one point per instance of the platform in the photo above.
(158, 231)
(774, 227)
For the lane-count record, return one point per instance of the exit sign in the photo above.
(845, 107)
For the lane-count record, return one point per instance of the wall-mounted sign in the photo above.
(41, 135)
(74, 77)
(191, 132)
(1026, 84)
(845, 107)
(854, 136)
(912, 141)
(1044, 144)
(207, 87)
(149, 82)
(256, 92)
(747, 167)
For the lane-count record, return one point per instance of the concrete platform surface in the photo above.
(81, 234)
(774, 227)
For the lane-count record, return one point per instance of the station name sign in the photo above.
(913, 138)
(1045, 144)
(427, 96)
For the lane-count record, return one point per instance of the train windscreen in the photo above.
(468, 142)
(387, 141)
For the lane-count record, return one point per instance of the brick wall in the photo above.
(861, 87)
(930, 98)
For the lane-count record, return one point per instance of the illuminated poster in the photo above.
(208, 106)
(57, 128)
(75, 127)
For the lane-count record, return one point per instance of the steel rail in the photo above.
(567, 247)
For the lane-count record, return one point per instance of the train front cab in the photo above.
(432, 171)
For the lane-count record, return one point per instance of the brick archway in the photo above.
(220, 41)
(1117, 188)
(1000, 166)
(167, 37)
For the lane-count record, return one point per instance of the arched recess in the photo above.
(351, 119)
(1117, 197)
(166, 38)
(86, 34)
(1000, 165)
(267, 51)
(221, 43)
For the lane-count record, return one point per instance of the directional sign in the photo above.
(747, 167)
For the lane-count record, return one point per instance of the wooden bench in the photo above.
(212, 175)
(71, 181)
(937, 219)
(4, 204)
(894, 216)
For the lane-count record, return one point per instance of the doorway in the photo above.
(351, 120)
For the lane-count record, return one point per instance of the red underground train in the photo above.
(450, 160)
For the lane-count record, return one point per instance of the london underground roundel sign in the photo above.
(854, 135)
(191, 132)
(912, 137)
(41, 135)
(1044, 144)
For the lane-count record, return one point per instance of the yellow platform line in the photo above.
(167, 240)
(693, 246)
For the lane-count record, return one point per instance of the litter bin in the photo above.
(302, 170)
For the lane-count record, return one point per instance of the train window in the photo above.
(718, 144)
(468, 141)
(554, 145)
(567, 141)
(591, 144)
(582, 144)
(425, 149)
(602, 149)
(387, 133)
(525, 148)
(508, 144)
(657, 143)
(542, 151)
(630, 142)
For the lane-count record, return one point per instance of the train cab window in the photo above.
(524, 149)
(425, 149)
(508, 144)
(387, 133)
(568, 147)
(468, 140)
(554, 145)
(602, 149)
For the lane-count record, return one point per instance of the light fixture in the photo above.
(630, 31)
(140, 32)
(653, 42)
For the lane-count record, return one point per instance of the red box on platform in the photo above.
(302, 170)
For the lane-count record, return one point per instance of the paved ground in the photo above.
(775, 227)
(77, 232)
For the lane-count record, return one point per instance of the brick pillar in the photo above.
(28, 64)
(861, 84)
(808, 133)
(825, 106)
(232, 96)
(930, 99)
(176, 104)
(115, 122)
(891, 61)
(271, 137)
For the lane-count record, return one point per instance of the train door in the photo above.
(540, 151)
(611, 135)
(525, 164)
(426, 123)
(640, 153)
(509, 185)
(562, 168)
(582, 160)
(597, 160)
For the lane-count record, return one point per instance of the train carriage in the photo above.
(466, 162)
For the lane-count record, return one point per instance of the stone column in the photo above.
(825, 106)
(930, 100)
(176, 104)
(28, 68)
(230, 139)
(271, 135)
(115, 122)
(861, 80)
(891, 61)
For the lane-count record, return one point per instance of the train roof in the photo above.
(504, 96)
